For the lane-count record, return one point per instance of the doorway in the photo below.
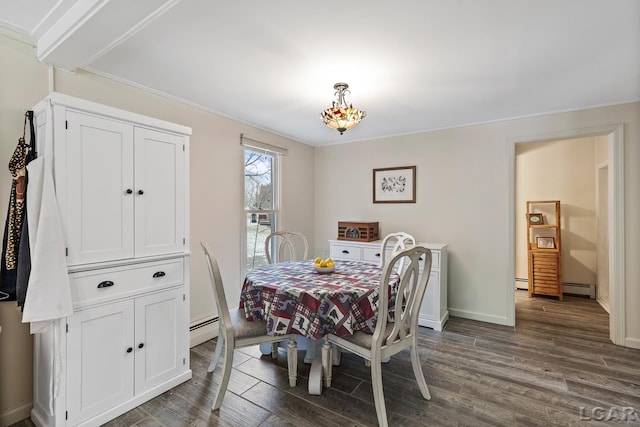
(614, 219)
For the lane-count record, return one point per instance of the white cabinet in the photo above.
(122, 349)
(434, 311)
(121, 184)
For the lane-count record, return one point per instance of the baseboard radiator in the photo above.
(203, 330)
(568, 288)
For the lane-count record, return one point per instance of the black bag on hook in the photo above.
(16, 218)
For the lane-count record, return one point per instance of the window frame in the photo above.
(275, 212)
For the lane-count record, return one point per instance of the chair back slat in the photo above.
(409, 296)
(218, 289)
(286, 246)
(400, 240)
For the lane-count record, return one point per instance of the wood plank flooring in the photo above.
(557, 367)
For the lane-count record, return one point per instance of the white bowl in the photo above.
(324, 270)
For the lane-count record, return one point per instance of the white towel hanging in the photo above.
(49, 293)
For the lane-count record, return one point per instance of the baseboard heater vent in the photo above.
(585, 289)
(203, 324)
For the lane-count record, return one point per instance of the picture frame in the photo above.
(535, 218)
(546, 242)
(394, 185)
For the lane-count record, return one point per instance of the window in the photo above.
(260, 203)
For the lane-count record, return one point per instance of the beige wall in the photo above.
(216, 191)
(463, 198)
(565, 171)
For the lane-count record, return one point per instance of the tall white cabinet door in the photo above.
(99, 189)
(160, 331)
(100, 360)
(159, 193)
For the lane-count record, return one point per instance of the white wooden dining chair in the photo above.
(237, 332)
(389, 338)
(400, 240)
(286, 243)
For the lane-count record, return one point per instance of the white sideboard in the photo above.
(434, 312)
(121, 181)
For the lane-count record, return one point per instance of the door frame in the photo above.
(615, 134)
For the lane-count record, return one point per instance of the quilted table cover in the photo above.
(293, 298)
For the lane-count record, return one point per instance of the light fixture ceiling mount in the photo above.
(341, 115)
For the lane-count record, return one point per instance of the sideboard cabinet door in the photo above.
(99, 171)
(100, 360)
(159, 195)
(160, 344)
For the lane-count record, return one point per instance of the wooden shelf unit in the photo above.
(545, 260)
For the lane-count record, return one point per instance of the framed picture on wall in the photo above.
(545, 243)
(394, 185)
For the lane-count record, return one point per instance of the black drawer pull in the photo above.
(129, 191)
(158, 274)
(420, 259)
(378, 255)
(105, 284)
(140, 192)
(130, 349)
(345, 251)
(140, 345)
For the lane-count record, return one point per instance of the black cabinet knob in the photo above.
(140, 345)
(130, 349)
(378, 255)
(158, 274)
(140, 192)
(129, 191)
(345, 251)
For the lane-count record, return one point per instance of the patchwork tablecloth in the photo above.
(293, 298)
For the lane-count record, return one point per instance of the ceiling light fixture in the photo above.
(341, 115)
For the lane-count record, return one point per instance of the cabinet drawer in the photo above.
(345, 252)
(372, 255)
(100, 285)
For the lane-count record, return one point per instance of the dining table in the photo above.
(293, 298)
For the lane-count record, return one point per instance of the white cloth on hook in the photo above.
(49, 292)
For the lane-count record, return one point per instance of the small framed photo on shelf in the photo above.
(535, 218)
(545, 242)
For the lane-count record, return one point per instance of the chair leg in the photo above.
(216, 354)
(292, 360)
(417, 371)
(227, 364)
(327, 362)
(378, 392)
(274, 349)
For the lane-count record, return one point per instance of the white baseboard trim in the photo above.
(203, 331)
(482, 317)
(604, 304)
(18, 414)
(632, 342)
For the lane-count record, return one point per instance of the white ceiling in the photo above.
(413, 65)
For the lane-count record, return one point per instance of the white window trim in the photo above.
(277, 190)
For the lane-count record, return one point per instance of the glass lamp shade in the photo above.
(341, 116)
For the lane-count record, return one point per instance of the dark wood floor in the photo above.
(557, 367)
